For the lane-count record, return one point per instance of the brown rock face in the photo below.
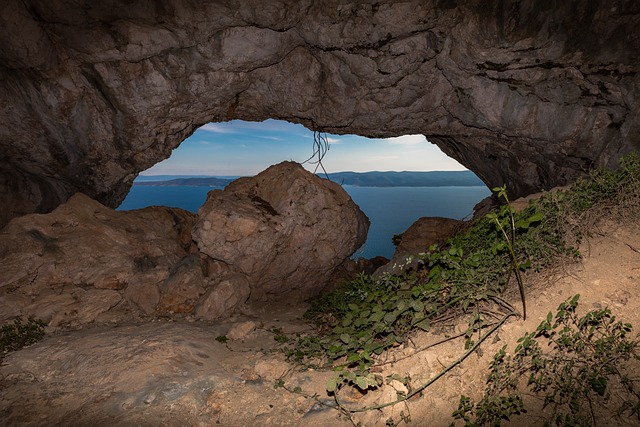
(285, 229)
(422, 234)
(85, 262)
(526, 93)
(277, 236)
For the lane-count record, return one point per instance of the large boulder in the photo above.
(285, 229)
(85, 262)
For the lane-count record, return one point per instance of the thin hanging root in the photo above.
(320, 148)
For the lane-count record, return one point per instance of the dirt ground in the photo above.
(177, 374)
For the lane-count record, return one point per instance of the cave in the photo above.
(395, 181)
(149, 326)
(527, 94)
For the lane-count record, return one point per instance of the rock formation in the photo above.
(285, 229)
(526, 93)
(422, 234)
(85, 262)
(277, 236)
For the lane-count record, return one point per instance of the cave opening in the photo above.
(395, 181)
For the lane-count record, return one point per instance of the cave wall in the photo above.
(529, 93)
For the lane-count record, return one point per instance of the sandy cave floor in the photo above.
(177, 374)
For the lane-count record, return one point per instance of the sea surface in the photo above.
(391, 210)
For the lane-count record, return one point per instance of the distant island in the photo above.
(407, 179)
(189, 182)
(358, 179)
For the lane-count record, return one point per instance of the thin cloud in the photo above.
(407, 140)
(216, 128)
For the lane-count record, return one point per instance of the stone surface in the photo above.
(82, 260)
(524, 93)
(241, 330)
(184, 286)
(277, 236)
(224, 298)
(285, 229)
(272, 368)
(422, 234)
(177, 374)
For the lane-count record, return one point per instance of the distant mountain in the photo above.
(408, 179)
(359, 179)
(192, 182)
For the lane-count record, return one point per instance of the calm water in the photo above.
(391, 209)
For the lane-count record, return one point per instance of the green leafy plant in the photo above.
(17, 335)
(571, 364)
(508, 226)
(279, 336)
(370, 315)
(463, 277)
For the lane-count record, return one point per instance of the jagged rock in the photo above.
(422, 234)
(279, 235)
(285, 229)
(527, 93)
(224, 298)
(83, 260)
(241, 330)
(144, 296)
(184, 286)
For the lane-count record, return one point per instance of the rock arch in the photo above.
(522, 92)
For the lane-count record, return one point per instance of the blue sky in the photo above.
(246, 148)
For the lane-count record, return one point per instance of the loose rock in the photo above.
(285, 229)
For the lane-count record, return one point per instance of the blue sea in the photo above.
(391, 209)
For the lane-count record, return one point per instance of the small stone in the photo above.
(150, 398)
(241, 330)
(272, 369)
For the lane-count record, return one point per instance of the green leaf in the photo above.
(525, 265)
(599, 385)
(362, 383)
(332, 384)
(499, 189)
(417, 306)
(390, 317)
(536, 217)
(354, 357)
(424, 324)
(345, 338)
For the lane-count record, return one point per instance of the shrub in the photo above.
(17, 335)
(576, 366)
